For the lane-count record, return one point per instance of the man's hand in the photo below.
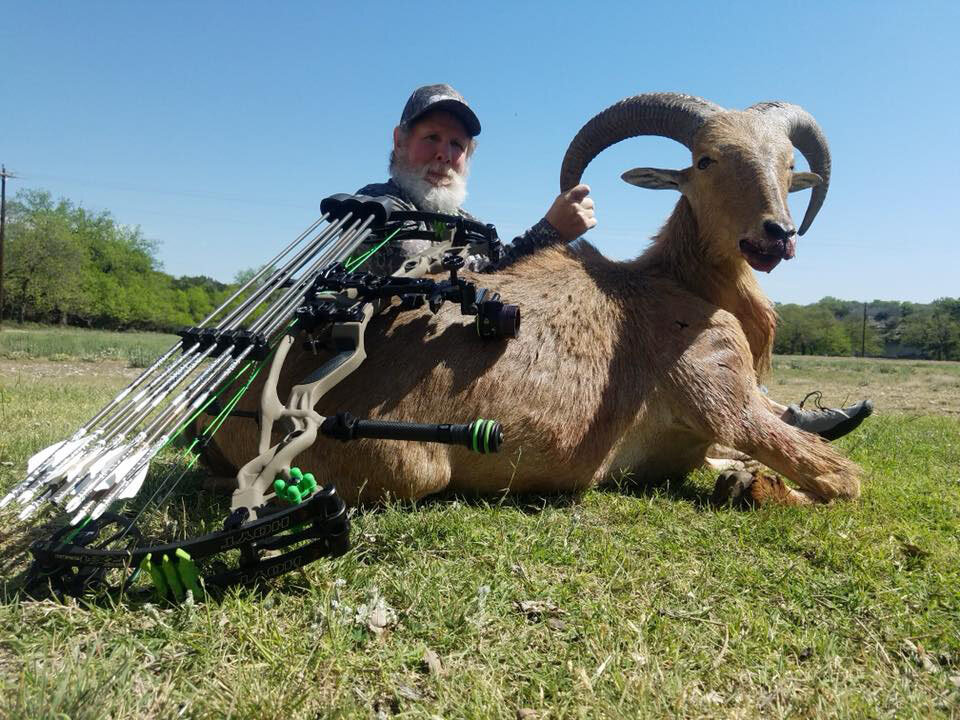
(572, 213)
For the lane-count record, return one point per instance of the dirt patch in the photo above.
(896, 386)
(48, 369)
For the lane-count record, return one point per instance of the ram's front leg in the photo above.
(720, 398)
(820, 472)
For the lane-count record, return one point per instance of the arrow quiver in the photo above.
(321, 288)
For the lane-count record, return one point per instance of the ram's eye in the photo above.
(791, 167)
(704, 162)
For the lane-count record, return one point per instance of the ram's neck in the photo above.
(680, 251)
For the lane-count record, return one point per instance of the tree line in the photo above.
(67, 265)
(882, 328)
(64, 264)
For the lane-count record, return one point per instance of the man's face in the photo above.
(437, 140)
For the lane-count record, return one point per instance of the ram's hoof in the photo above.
(733, 487)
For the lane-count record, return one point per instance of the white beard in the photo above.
(445, 199)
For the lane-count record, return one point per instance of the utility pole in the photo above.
(3, 221)
(863, 333)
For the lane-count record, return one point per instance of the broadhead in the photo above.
(78, 518)
(28, 510)
(99, 510)
(74, 503)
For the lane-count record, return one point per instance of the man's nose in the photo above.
(444, 154)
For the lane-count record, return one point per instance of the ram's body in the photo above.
(621, 367)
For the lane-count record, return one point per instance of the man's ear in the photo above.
(804, 180)
(655, 178)
(397, 137)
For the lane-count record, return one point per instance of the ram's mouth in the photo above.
(758, 259)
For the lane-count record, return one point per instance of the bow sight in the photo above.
(323, 291)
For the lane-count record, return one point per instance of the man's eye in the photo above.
(458, 145)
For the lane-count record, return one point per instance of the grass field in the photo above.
(136, 349)
(648, 603)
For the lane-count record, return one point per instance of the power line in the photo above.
(148, 190)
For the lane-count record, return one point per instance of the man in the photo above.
(432, 148)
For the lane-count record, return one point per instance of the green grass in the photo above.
(138, 349)
(614, 604)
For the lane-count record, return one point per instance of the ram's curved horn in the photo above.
(669, 115)
(808, 138)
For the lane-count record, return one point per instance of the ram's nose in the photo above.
(784, 234)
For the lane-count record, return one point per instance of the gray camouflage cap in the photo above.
(439, 97)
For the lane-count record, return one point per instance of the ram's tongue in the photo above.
(758, 260)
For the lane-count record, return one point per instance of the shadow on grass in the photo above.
(528, 503)
(682, 489)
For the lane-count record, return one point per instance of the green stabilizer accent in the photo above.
(187, 570)
(279, 486)
(477, 424)
(309, 483)
(486, 436)
(172, 578)
(296, 473)
(360, 259)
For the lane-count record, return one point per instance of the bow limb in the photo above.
(255, 479)
(270, 406)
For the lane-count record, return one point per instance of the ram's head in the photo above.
(742, 167)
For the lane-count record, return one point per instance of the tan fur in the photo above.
(632, 367)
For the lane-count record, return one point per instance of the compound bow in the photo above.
(279, 519)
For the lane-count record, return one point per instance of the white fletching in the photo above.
(135, 483)
(108, 460)
(39, 458)
(78, 466)
(120, 473)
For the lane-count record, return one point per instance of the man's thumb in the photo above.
(578, 193)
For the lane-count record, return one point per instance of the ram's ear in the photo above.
(804, 180)
(655, 178)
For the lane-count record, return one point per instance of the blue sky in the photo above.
(218, 127)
